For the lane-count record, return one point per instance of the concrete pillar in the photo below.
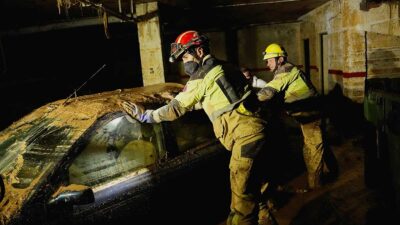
(150, 45)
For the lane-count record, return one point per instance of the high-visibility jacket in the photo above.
(222, 90)
(300, 96)
(218, 87)
(290, 80)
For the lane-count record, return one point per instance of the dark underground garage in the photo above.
(227, 112)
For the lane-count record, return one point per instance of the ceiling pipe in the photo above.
(58, 26)
(109, 11)
(253, 3)
(121, 16)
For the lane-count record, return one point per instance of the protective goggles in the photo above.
(176, 51)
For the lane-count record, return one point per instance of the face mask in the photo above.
(190, 67)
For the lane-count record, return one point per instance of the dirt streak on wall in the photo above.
(252, 42)
(354, 37)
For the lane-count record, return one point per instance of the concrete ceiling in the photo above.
(175, 14)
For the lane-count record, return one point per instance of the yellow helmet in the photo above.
(274, 50)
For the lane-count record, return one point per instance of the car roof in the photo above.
(80, 112)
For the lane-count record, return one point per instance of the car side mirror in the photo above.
(73, 194)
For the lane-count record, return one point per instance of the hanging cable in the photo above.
(131, 7)
(109, 11)
(76, 90)
(119, 7)
(105, 24)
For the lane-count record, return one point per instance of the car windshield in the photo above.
(31, 150)
(116, 148)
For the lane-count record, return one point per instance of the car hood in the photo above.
(61, 123)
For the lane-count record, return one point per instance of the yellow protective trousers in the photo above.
(313, 151)
(244, 135)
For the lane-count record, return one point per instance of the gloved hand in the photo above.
(136, 111)
(266, 93)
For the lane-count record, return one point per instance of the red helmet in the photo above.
(184, 42)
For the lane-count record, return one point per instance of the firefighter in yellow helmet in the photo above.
(225, 96)
(302, 102)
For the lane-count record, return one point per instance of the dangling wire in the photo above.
(66, 3)
(105, 23)
(42, 129)
(76, 90)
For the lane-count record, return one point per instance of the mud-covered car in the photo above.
(83, 160)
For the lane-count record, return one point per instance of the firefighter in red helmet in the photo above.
(227, 98)
(186, 41)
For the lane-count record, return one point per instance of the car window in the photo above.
(192, 130)
(33, 150)
(116, 148)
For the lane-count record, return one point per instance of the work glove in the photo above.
(266, 93)
(136, 111)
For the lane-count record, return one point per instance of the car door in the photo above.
(117, 161)
(139, 170)
(194, 185)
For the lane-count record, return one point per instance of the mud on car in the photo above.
(84, 161)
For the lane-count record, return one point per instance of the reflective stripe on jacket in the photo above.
(219, 88)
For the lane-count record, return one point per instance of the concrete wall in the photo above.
(217, 44)
(353, 35)
(252, 42)
(383, 55)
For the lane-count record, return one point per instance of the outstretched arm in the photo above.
(183, 102)
(169, 112)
